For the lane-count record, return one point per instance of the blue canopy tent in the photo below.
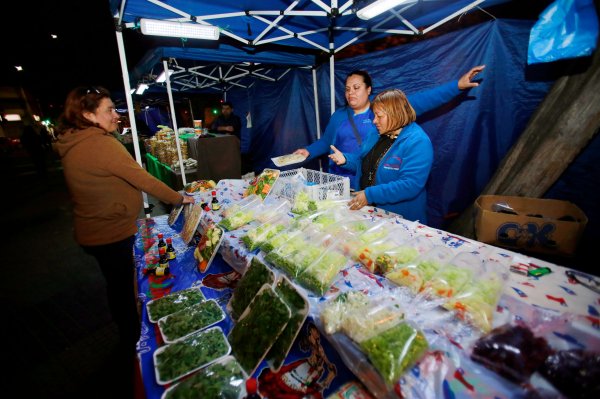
(469, 141)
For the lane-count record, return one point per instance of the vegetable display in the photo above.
(299, 309)
(207, 246)
(334, 313)
(303, 204)
(394, 258)
(449, 280)
(255, 277)
(189, 320)
(395, 350)
(319, 276)
(223, 379)
(262, 184)
(176, 301)
(180, 358)
(256, 236)
(237, 219)
(258, 328)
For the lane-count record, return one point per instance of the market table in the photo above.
(557, 306)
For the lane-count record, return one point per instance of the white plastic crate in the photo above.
(318, 185)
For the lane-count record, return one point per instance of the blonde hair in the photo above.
(395, 105)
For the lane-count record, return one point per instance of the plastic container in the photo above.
(317, 185)
(185, 356)
(210, 241)
(240, 214)
(174, 302)
(249, 284)
(226, 374)
(187, 321)
(258, 328)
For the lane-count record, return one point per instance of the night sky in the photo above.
(85, 52)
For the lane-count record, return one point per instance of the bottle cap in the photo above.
(169, 240)
(160, 235)
(214, 193)
(251, 385)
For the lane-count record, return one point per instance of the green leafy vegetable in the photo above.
(161, 307)
(255, 277)
(395, 350)
(256, 332)
(221, 380)
(182, 357)
(190, 319)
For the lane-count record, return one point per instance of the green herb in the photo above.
(161, 307)
(190, 319)
(254, 334)
(182, 357)
(255, 277)
(222, 380)
(299, 309)
(395, 350)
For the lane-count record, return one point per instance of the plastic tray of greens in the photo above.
(298, 304)
(189, 320)
(173, 302)
(257, 275)
(223, 379)
(258, 328)
(189, 354)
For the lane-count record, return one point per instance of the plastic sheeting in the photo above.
(470, 135)
(566, 29)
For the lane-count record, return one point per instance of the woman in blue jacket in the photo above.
(349, 126)
(392, 167)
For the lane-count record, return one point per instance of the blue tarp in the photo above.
(470, 136)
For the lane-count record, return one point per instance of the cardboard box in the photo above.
(539, 225)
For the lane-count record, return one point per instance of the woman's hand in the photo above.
(359, 200)
(188, 200)
(465, 81)
(337, 156)
(302, 151)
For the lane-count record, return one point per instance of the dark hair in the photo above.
(79, 100)
(364, 74)
(228, 103)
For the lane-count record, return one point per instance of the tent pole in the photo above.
(172, 104)
(316, 94)
(131, 113)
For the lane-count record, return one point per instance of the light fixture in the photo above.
(12, 117)
(178, 29)
(141, 88)
(377, 7)
(18, 68)
(163, 76)
(132, 91)
(53, 36)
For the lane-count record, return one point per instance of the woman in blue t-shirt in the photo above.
(349, 126)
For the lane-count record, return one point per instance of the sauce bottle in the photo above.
(215, 202)
(170, 249)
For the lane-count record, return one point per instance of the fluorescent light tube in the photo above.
(178, 29)
(377, 7)
(163, 76)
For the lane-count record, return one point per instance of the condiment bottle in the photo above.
(161, 242)
(170, 249)
(215, 202)
(163, 263)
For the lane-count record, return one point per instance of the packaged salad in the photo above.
(453, 276)
(258, 328)
(223, 379)
(174, 302)
(395, 350)
(261, 185)
(402, 254)
(189, 320)
(249, 284)
(320, 275)
(256, 236)
(299, 307)
(238, 215)
(477, 301)
(414, 274)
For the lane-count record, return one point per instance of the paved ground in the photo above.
(59, 339)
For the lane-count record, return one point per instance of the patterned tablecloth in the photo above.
(553, 306)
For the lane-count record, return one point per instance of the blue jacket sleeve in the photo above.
(426, 100)
(417, 161)
(321, 146)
